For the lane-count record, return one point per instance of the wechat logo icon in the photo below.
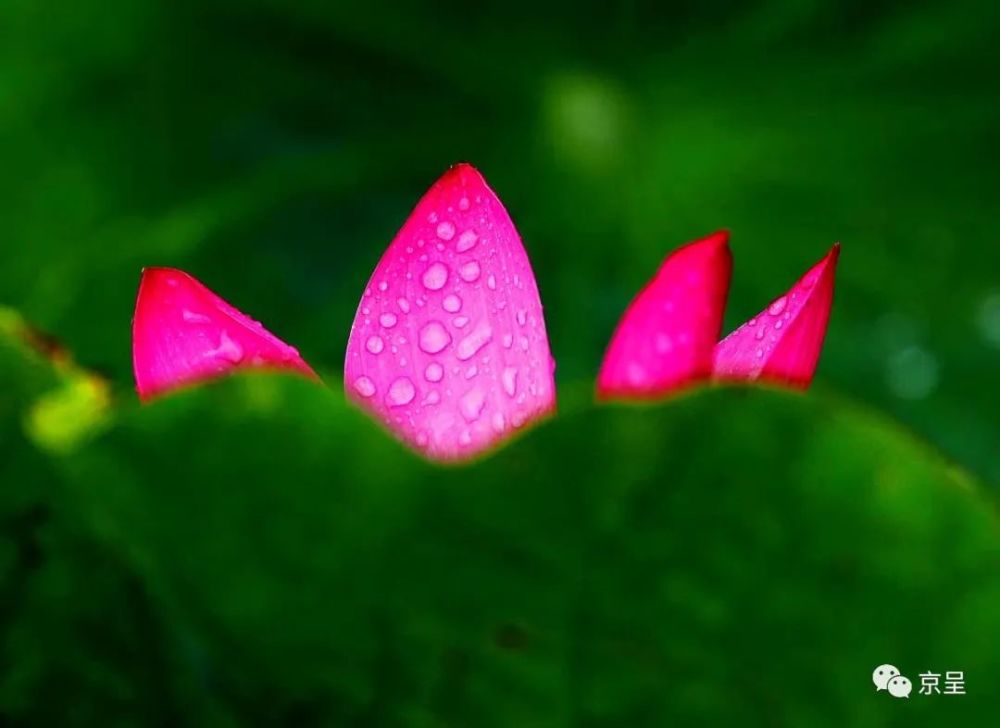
(887, 677)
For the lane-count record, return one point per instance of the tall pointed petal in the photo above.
(183, 333)
(448, 347)
(665, 339)
(783, 342)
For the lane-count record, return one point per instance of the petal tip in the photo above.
(665, 338)
(782, 343)
(183, 333)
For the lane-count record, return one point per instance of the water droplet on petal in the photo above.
(445, 230)
(460, 322)
(452, 303)
(434, 372)
(466, 241)
(401, 392)
(228, 349)
(509, 379)
(435, 276)
(403, 304)
(777, 307)
(432, 398)
(434, 337)
(383, 286)
(491, 282)
(388, 320)
(498, 422)
(375, 344)
(474, 341)
(469, 271)
(522, 317)
(471, 404)
(471, 372)
(463, 204)
(507, 340)
(194, 318)
(364, 386)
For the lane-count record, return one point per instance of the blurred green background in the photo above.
(698, 561)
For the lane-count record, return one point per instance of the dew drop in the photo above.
(491, 282)
(466, 241)
(452, 303)
(664, 344)
(469, 271)
(465, 438)
(445, 230)
(507, 340)
(498, 422)
(435, 276)
(463, 203)
(474, 341)
(777, 307)
(778, 324)
(403, 304)
(434, 337)
(434, 372)
(471, 404)
(509, 379)
(383, 286)
(471, 372)
(229, 349)
(194, 318)
(522, 317)
(460, 322)
(432, 398)
(388, 320)
(401, 392)
(375, 344)
(364, 386)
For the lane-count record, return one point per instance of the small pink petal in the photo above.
(783, 342)
(665, 339)
(183, 333)
(448, 347)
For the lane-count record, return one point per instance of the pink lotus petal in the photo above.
(448, 347)
(183, 333)
(782, 343)
(665, 339)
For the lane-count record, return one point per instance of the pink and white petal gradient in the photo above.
(183, 333)
(782, 343)
(448, 347)
(666, 337)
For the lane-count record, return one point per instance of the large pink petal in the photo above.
(183, 333)
(665, 339)
(783, 342)
(448, 346)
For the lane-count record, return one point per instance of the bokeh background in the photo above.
(273, 149)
